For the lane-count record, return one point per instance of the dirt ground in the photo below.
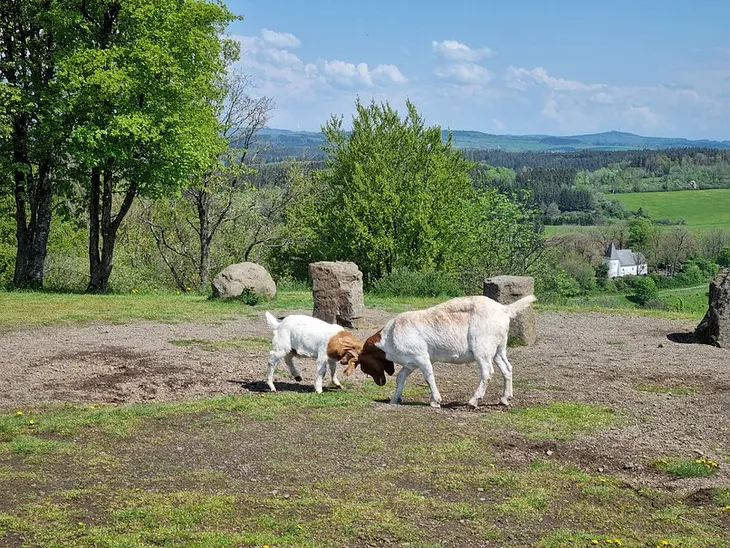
(585, 357)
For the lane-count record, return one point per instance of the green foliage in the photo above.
(391, 195)
(394, 196)
(250, 298)
(503, 236)
(642, 235)
(645, 290)
(427, 283)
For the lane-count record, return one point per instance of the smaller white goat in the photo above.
(461, 330)
(301, 335)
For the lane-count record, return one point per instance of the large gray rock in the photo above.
(508, 289)
(234, 279)
(337, 290)
(715, 326)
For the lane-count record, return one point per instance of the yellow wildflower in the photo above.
(19, 413)
(31, 422)
(594, 541)
(618, 541)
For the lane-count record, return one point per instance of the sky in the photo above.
(559, 67)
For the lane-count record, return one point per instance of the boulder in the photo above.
(506, 290)
(715, 326)
(337, 290)
(234, 279)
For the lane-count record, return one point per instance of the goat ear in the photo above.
(389, 367)
(351, 366)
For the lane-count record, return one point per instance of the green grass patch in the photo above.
(123, 420)
(210, 345)
(534, 385)
(32, 445)
(686, 468)
(672, 390)
(700, 208)
(558, 420)
(36, 308)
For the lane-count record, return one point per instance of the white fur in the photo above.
(301, 335)
(461, 330)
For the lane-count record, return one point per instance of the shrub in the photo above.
(645, 290)
(425, 283)
(249, 297)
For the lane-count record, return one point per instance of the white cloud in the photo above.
(456, 51)
(388, 74)
(280, 39)
(347, 74)
(464, 73)
(522, 78)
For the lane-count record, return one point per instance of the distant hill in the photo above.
(281, 142)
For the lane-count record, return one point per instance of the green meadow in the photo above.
(704, 209)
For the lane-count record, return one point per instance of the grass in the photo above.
(685, 303)
(48, 308)
(686, 468)
(251, 343)
(558, 420)
(300, 469)
(704, 209)
(671, 390)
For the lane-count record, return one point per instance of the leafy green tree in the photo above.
(140, 86)
(645, 289)
(643, 236)
(502, 236)
(393, 194)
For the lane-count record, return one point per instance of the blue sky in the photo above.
(659, 68)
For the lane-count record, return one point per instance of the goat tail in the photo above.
(518, 306)
(273, 322)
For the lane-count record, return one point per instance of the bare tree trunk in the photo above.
(34, 195)
(101, 263)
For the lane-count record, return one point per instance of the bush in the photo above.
(426, 283)
(555, 286)
(645, 290)
(250, 298)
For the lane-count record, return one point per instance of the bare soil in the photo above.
(612, 360)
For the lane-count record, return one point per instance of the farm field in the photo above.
(700, 208)
(119, 429)
(703, 210)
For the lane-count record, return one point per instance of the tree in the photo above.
(141, 88)
(212, 193)
(392, 194)
(643, 236)
(675, 247)
(31, 39)
(645, 290)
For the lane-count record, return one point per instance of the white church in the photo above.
(623, 262)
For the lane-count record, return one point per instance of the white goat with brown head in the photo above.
(300, 335)
(461, 330)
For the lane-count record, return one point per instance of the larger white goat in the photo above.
(300, 335)
(461, 330)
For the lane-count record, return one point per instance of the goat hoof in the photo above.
(298, 378)
(504, 401)
(435, 405)
(473, 404)
(339, 386)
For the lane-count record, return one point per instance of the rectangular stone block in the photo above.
(506, 290)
